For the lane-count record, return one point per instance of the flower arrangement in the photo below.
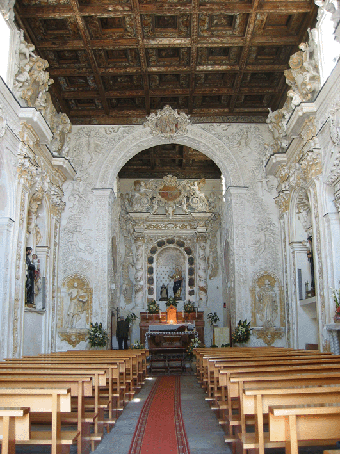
(171, 302)
(242, 332)
(153, 307)
(131, 317)
(336, 298)
(189, 307)
(213, 318)
(137, 345)
(97, 336)
(194, 343)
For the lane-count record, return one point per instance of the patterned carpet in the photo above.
(160, 426)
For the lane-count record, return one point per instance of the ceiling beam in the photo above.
(107, 10)
(86, 38)
(142, 53)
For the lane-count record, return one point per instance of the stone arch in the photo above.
(196, 138)
(152, 254)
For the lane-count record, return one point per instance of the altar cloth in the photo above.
(168, 327)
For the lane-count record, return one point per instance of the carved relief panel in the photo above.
(268, 308)
(75, 309)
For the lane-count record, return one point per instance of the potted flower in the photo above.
(336, 297)
(171, 302)
(189, 307)
(153, 307)
(97, 336)
(213, 318)
(137, 345)
(242, 332)
(194, 343)
(131, 317)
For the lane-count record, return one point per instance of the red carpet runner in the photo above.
(160, 428)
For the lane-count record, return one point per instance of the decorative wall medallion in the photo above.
(167, 122)
(169, 193)
(269, 334)
(73, 337)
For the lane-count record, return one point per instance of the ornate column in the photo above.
(6, 271)
(139, 271)
(330, 259)
(43, 253)
(51, 271)
(103, 200)
(26, 178)
(238, 201)
(299, 253)
(202, 269)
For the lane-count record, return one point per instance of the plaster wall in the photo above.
(98, 153)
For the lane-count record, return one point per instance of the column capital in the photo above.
(298, 246)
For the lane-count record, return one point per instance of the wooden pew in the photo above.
(136, 362)
(8, 418)
(129, 365)
(52, 400)
(79, 386)
(257, 402)
(253, 354)
(115, 369)
(203, 354)
(239, 383)
(98, 378)
(295, 423)
(213, 365)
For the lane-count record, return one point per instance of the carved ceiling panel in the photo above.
(117, 61)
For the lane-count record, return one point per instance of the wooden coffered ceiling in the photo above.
(116, 61)
(174, 159)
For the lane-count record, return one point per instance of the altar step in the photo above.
(169, 364)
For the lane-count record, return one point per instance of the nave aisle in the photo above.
(203, 431)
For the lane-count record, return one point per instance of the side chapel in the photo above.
(84, 241)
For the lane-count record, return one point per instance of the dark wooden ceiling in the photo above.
(177, 160)
(116, 61)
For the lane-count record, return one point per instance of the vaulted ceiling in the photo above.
(116, 61)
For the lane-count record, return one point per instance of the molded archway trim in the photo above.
(196, 138)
